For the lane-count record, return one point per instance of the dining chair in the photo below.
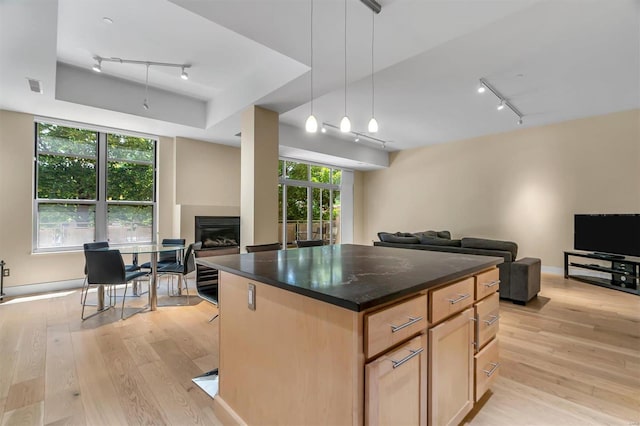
(168, 257)
(181, 269)
(263, 247)
(308, 243)
(106, 267)
(102, 245)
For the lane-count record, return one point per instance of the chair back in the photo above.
(308, 243)
(105, 267)
(170, 256)
(263, 247)
(189, 262)
(93, 246)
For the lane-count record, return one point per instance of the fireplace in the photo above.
(217, 232)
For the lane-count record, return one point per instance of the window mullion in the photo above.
(101, 207)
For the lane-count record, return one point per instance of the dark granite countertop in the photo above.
(352, 276)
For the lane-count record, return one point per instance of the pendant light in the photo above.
(312, 124)
(373, 123)
(145, 104)
(345, 123)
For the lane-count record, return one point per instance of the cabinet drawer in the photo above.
(487, 283)
(487, 315)
(392, 325)
(486, 365)
(450, 299)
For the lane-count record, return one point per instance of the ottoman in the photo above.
(525, 279)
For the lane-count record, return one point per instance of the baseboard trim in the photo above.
(30, 289)
(553, 270)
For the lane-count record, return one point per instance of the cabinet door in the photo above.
(451, 370)
(396, 386)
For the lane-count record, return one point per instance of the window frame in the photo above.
(310, 186)
(100, 202)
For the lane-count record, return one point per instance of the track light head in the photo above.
(145, 105)
(324, 129)
(500, 106)
(520, 121)
(184, 75)
(357, 139)
(97, 67)
(481, 89)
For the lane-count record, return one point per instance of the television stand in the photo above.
(612, 271)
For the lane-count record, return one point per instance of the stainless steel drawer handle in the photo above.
(494, 367)
(493, 319)
(459, 299)
(492, 283)
(406, 358)
(412, 320)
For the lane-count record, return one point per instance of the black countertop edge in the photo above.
(348, 304)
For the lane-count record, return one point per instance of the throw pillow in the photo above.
(433, 234)
(398, 237)
(483, 243)
(440, 242)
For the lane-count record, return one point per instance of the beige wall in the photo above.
(523, 186)
(16, 220)
(207, 182)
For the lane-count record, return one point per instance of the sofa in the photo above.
(519, 279)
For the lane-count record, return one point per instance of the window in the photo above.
(309, 203)
(92, 186)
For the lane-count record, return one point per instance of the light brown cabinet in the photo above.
(396, 386)
(451, 370)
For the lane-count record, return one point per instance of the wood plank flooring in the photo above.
(571, 357)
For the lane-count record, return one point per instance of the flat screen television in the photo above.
(608, 233)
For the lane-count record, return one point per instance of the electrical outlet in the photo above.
(251, 296)
(5, 272)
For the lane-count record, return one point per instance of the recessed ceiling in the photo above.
(554, 60)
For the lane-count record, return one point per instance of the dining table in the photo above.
(152, 250)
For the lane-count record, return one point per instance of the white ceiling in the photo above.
(554, 60)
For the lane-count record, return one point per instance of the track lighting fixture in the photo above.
(357, 136)
(504, 102)
(97, 67)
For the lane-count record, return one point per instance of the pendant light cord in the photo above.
(146, 86)
(373, 92)
(311, 34)
(345, 58)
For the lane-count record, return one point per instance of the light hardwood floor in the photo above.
(572, 357)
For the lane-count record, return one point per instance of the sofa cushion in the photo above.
(483, 243)
(440, 242)
(398, 237)
(433, 234)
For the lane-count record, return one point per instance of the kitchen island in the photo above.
(352, 334)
